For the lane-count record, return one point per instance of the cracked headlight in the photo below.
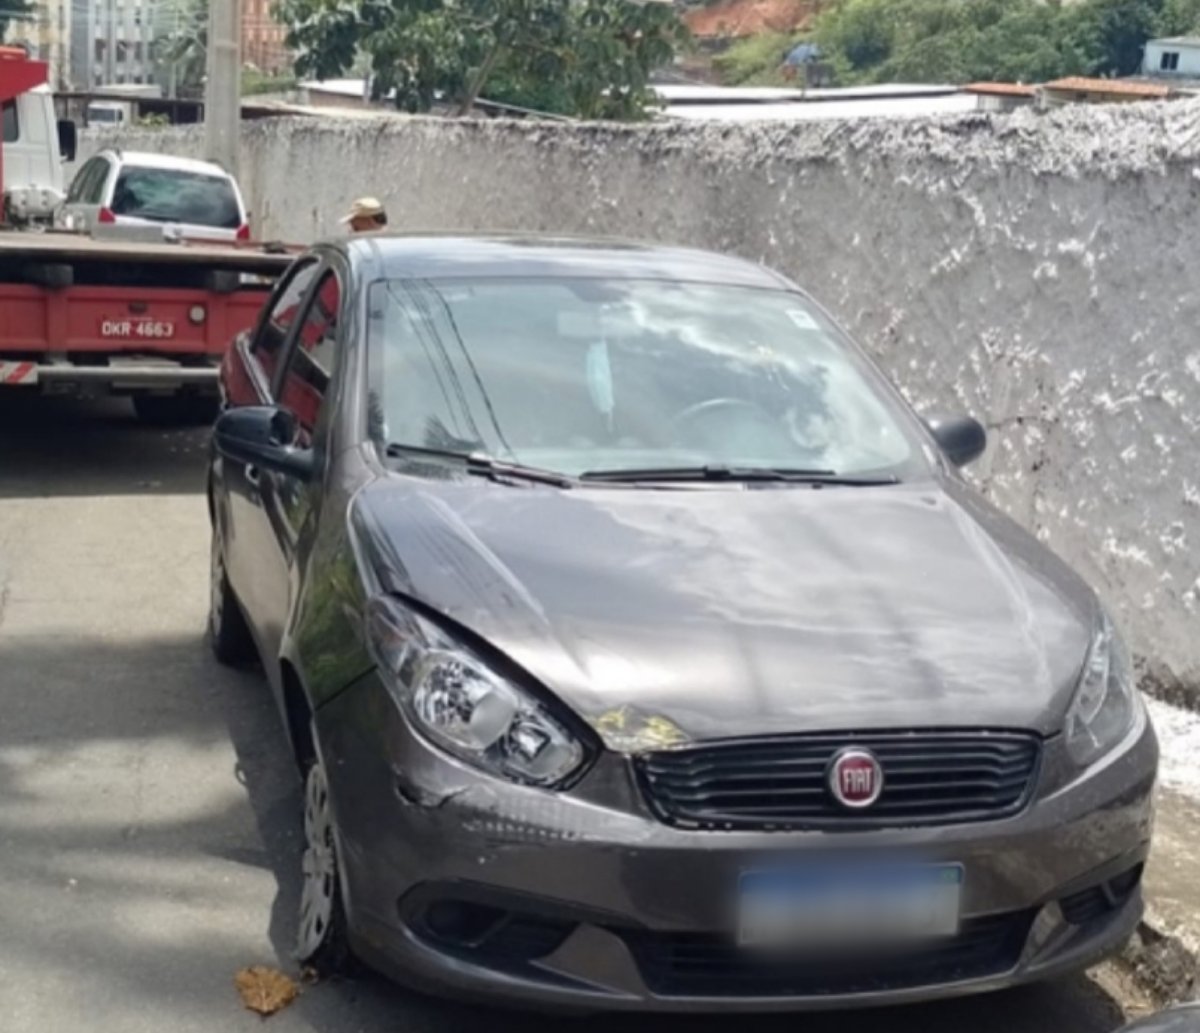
(1104, 707)
(459, 702)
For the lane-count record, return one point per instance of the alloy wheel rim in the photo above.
(318, 865)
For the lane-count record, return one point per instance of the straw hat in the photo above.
(364, 208)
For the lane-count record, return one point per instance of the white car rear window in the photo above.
(172, 195)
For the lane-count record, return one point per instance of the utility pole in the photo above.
(110, 43)
(223, 87)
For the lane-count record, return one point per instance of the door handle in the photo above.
(253, 476)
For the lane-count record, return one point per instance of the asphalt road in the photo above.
(148, 813)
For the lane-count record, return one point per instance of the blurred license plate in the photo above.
(846, 906)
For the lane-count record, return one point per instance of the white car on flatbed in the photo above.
(195, 200)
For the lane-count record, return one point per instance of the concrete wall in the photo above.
(1041, 271)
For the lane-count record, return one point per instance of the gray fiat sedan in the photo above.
(640, 648)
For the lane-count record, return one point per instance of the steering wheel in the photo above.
(715, 405)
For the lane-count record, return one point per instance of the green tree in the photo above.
(181, 44)
(1118, 30)
(589, 58)
(962, 40)
(1178, 18)
(756, 61)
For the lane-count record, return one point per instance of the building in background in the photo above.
(46, 34)
(263, 44)
(1175, 56)
(111, 41)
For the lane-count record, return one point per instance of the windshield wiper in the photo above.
(483, 465)
(717, 472)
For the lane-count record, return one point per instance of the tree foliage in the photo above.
(869, 41)
(755, 61)
(590, 58)
(955, 40)
(1179, 18)
(180, 47)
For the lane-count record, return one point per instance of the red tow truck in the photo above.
(88, 316)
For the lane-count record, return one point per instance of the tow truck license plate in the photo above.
(139, 329)
(848, 906)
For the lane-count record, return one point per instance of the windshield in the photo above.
(171, 195)
(579, 376)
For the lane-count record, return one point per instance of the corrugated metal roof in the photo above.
(1123, 87)
(882, 107)
(690, 93)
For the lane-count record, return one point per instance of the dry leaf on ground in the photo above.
(265, 990)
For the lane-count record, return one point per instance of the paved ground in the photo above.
(147, 811)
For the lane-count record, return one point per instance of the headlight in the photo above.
(1103, 709)
(462, 705)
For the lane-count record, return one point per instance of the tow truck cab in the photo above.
(35, 143)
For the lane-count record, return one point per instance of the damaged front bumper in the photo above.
(463, 884)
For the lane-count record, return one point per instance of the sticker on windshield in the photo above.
(802, 319)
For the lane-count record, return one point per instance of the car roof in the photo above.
(149, 160)
(403, 256)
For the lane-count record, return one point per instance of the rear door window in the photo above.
(97, 186)
(90, 182)
(173, 195)
(75, 192)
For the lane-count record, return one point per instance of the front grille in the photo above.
(705, 965)
(780, 783)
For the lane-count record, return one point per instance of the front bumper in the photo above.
(462, 884)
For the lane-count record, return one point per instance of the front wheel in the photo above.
(321, 939)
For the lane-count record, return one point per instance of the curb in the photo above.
(1164, 963)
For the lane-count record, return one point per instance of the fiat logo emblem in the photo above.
(855, 778)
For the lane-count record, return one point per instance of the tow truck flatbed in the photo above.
(86, 316)
(54, 246)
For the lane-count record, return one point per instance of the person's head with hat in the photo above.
(366, 214)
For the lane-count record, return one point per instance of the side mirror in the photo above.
(262, 435)
(68, 139)
(962, 439)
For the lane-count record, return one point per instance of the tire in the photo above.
(228, 633)
(322, 943)
(176, 410)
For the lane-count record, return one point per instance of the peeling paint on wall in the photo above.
(1029, 268)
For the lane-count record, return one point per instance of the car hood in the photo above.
(671, 615)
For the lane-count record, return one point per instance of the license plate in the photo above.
(848, 905)
(137, 329)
